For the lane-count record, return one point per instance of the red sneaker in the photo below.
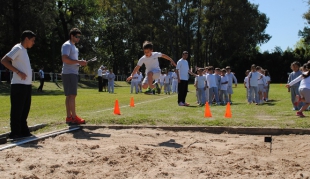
(69, 120)
(300, 114)
(78, 120)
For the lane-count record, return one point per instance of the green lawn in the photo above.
(97, 108)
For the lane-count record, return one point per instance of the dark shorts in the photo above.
(105, 82)
(70, 82)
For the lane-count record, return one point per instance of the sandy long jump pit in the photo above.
(152, 153)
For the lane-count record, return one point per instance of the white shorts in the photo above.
(156, 74)
(261, 88)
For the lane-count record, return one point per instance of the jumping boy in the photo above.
(150, 60)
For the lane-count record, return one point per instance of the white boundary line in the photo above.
(135, 104)
(31, 139)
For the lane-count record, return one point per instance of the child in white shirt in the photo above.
(213, 90)
(223, 89)
(246, 84)
(167, 83)
(200, 84)
(253, 78)
(161, 80)
(111, 78)
(174, 82)
(134, 83)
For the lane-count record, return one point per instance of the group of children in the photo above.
(136, 82)
(168, 80)
(257, 82)
(214, 85)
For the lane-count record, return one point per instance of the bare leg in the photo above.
(72, 105)
(67, 106)
(229, 96)
(150, 79)
(304, 107)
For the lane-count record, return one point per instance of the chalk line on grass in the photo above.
(135, 104)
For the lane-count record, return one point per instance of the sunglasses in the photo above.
(78, 36)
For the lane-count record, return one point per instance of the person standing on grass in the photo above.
(134, 83)
(231, 78)
(70, 70)
(17, 60)
(140, 78)
(253, 78)
(41, 74)
(161, 80)
(304, 90)
(174, 82)
(152, 72)
(100, 82)
(167, 83)
(111, 78)
(268, 80)
(200, 85)
(223, 89)
(182, 71)
(294, 89)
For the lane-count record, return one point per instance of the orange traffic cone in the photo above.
(228, 111)
(132, 103)
(116, 108)
(207, 110)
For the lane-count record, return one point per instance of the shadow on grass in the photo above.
(81, 134)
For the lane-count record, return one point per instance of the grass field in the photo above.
(97, 108)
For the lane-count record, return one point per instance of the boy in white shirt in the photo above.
(223, 89)
(213, 90)
(167, 83)
(231, 77)
(161, 80)
(150, 60)
(261, 85)
(200, 84)
(205, 74)
(246, 84)
(111, 78)
(140, 81)
(174, 77)
(134, 83)
(253, 78)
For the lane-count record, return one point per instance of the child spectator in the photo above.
(200, 84)
(231, 77)
(161, 80)
(205, 74)
(167, 83)
(261, 84)
(304, 90)
(218, 78)
(134, 83)
(246, 84)
(213, 90)
(294, 88)
(253, 78)
(223, 88)
(140, 78)
(111, 78)
(174, 82)
(268, 80)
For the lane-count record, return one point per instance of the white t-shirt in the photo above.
(167, 79)
(253, 78)
(140, 77)
(231, 77)
(267, 78)
(135, 78)
(174, 76)
(20, 60)
(201, 81)
(223, 80)
(151, 63)
(182, 66)
(99, 72)
(161, 78)
(246, 81)
(211, 80)
(261, 81)
(73, 53)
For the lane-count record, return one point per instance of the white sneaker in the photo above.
(181, 104)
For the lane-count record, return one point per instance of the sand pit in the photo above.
(147, 153)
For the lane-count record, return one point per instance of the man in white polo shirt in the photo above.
(182, 71)
(17, 60)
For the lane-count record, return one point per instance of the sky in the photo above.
(285, 20)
